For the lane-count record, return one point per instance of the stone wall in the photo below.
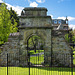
(44, 34)
(61, 50)
(12, 49)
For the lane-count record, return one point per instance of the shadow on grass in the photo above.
(61, 69)
(55, 69)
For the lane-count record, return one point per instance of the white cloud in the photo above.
(40, 1)
(1, 1)
(18, 9)
(51, 15)
(33, 4)
(69, 18)
(61, 18)
(72, 26)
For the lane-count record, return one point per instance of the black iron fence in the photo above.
(35, 64)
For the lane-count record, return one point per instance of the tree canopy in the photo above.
(6, 25)
(13, 14)
(70, 37)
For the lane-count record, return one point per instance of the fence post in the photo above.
(29, 62)
(51, 51)
(28, 54)
(72, 59)
(71, 44)
(72, 63)
(7, 64)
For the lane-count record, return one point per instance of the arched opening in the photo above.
(35, 47)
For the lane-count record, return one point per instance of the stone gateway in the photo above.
(34, 21)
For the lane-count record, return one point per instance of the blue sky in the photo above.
(58, 9)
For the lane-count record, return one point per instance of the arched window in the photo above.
(55, 21)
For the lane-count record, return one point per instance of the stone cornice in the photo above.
(34, 16)
(23, 27)
(35, 9)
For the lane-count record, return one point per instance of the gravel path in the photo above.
(37, 54)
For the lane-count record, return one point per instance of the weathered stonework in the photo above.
(11, 47)
(61, 50)
(34, 21)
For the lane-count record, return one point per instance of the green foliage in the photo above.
(73, 33)
(67, 38)
(73, 38)
(14, 16)
(35, 41)
(6, 26)
(0, 50)
(32, 52)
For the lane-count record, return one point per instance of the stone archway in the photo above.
(35, 24)
(35, 48)
(45, 35)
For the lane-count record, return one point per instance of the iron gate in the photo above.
(38, 65)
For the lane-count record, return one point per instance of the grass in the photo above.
(34, 60)
(36, 71)
(37, 59)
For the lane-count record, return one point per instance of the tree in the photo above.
(6, 26)
(14, 15)
(70, 37)
(73, 33)
(67, 38)
(35, 42)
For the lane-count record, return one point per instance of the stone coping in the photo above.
(35, 9)
(24, 16)
(23, 27)
(62, 29)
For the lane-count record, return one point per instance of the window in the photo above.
(55, 21)
(59, 22)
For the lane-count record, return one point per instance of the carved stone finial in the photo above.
(22, 13)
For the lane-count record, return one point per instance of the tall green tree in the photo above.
(67, 38)
(6, 26)
(73, 33)
(14, 15)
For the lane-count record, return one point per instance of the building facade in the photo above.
(57, 22)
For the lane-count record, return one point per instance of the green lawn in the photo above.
(36, 71)
(37, 59)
